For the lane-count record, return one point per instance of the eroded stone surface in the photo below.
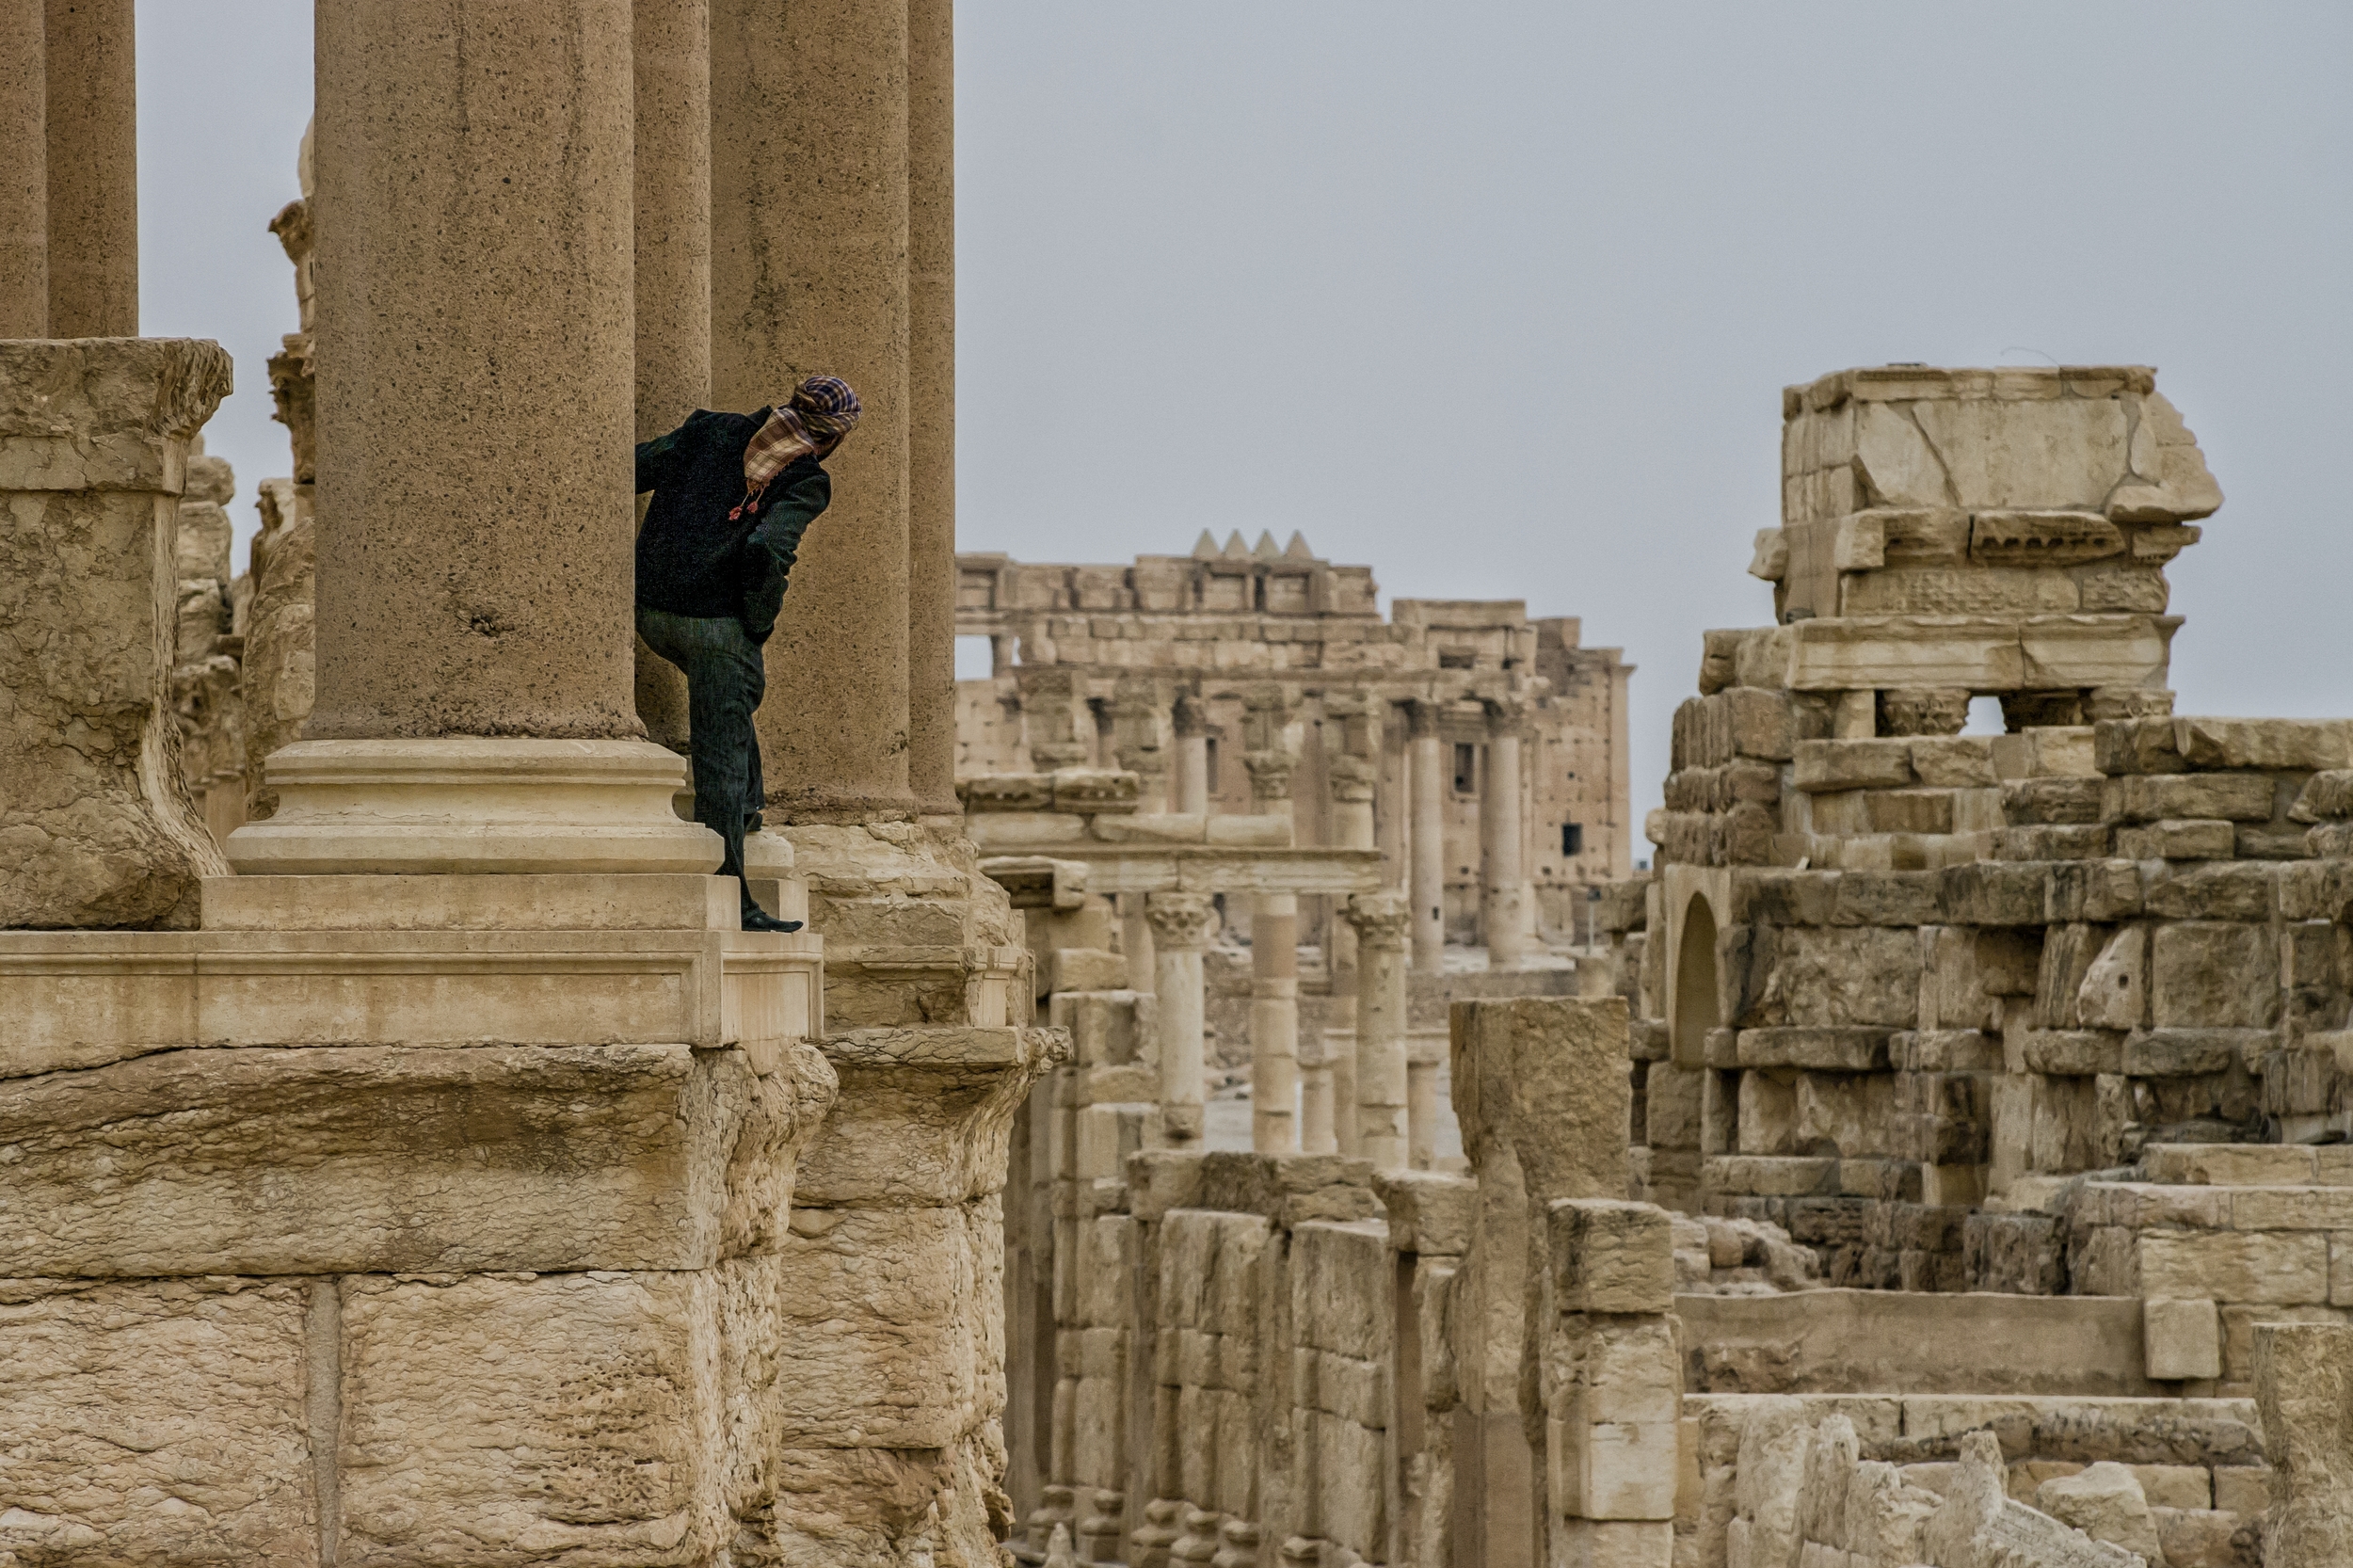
(155, 1422)
(389, 1157)
(96, 824)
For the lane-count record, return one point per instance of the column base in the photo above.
(470, 803)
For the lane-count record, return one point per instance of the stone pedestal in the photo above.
(96, 827)
(1181, 927)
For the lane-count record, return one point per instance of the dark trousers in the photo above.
(726, 679)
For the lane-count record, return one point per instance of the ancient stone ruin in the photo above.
(1939, 1159)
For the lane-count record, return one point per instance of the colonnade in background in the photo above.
(1384, 766)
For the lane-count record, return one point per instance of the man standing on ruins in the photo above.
(732, 495)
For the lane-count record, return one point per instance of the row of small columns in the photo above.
(1366, 1098)
(1360, 1101)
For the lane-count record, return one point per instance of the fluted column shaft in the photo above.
(474, 408)
(672, 204)
(1383, 1133)
(1181, 925)
(90, 133)
(1427, 886)
(24, 172)
(931, 406)
(810, 275)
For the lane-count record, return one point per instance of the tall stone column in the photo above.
(1135, 936)
(1273, 933)
(1427, 886)
(809, 205)
(475, 704)
(91, 135)
(672, 198)
(1181, 926)
(1274, 1024)
(931, 406)
(1380, 921)
(1353, 766)
(1191, 791)
(25, 174)
(1503, 885)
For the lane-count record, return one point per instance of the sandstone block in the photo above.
(1086, 969)
(1549, 1074)
(2297, 745)
(2156, 797)
(2235, 1266)
(1824, 765)
(2214, 975)
(369, 1158)
(2182, 1338)
(2106, 1502)
(1612, 1544)
(2223, 891)
(881, 1324)
(1611, 1257)
(2304, 1384)
(489, 1420)
(1613, 1393)
(2209, 840)
(923, 1112)
(156, 1422)
(1431, 1213)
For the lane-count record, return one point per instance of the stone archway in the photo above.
(1696, 1008)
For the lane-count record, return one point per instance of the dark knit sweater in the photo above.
(692, 558)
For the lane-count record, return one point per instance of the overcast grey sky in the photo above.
(1500, 298)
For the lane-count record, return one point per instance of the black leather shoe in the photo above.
(760, 919)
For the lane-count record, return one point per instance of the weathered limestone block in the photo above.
(96, 827)
(381, 1158)
(885, 1346)
(156, 1422)
(2304, 1386)
(2106, 1502)
(506, 1419)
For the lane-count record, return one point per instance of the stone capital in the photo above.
(105, 413)
(1422, 717)
(1353, 778)
(1180, 921)
(1380, 920)
(1270, 774)
(1189, 716)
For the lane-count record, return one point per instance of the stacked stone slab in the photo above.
(1253, 1358)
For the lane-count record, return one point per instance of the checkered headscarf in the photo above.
(820, 412)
